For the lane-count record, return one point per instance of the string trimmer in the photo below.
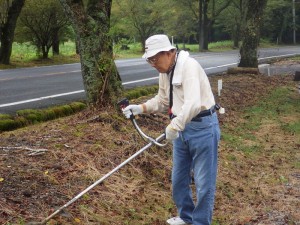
(123, 103)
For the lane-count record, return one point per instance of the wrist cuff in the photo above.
(172, 128)
(144, 109)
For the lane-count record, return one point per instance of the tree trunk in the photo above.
(205, 26)
(8, 30)
(143, 42)
(45, 51)
(251, 34)
(236, 35)
(77, 44)
(100, 76)
(200, 25)
(55, 43)
(237, 27)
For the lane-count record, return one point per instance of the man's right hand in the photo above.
(132, 109)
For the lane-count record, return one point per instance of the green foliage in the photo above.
(8, 124)
(280, 101)
(278, 104)
(4, 8)
(24, 55)
(179, 20)
(141, 91)
(49, 114)
(278, 21)
(77, 106)
(134, 18)
(41, 24)
(220, 45)
(292, 127)
(32, 116)
(182, 21)
(24, 51)
(5, 116)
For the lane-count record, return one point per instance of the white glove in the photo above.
(171, 133)
(132, 109)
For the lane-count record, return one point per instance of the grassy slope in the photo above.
(259, 154)
(258, 172)
(258, 168)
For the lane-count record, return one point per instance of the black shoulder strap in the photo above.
(171, 89)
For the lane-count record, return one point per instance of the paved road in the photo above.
(40, 87)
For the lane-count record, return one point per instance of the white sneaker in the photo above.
(176, 221)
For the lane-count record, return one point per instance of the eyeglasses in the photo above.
(153, 60)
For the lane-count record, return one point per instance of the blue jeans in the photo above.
(195, 153)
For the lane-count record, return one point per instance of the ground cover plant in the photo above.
(45, 165)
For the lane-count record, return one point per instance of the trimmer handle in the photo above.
(123, 103)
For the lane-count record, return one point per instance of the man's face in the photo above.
(161, 61)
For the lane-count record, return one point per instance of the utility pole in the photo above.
(294, 22)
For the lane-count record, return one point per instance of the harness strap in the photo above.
(171, 116)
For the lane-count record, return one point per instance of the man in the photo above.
(193, 129)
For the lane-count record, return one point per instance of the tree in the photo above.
(251, 32)
(42, 23)
(10, 10)
(91, 22)
(208, 13)
(278, 25)
(205, 12)
(180, 25)
(147, 17)
(230, 21)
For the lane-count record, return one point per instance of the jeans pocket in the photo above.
(197, 125)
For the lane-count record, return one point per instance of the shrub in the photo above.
(32, 116)
(8, 124)
(48, 114)
(77, 106)
(139, 92)
(5, 116)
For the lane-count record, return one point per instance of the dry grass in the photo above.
(260, 186)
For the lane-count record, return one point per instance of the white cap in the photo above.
(157, 43)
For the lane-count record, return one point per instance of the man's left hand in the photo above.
(171, 133)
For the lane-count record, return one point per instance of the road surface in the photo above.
(41, 87)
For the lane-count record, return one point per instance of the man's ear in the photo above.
(171, 52)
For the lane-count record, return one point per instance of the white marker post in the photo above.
(220, 84)
(219, 87)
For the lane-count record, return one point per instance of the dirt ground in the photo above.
(45, 165)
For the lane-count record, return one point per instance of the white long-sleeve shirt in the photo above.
(191, 92)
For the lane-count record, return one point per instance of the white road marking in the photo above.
(41, 98)
(210, 68)
(137, 81)
(124, 83)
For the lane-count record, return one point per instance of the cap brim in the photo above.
(149, 54)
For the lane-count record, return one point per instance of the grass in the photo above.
(27, 117)
(25, 55)
(280, 103)
(253, 182)
(26, 51)
(276, 107)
